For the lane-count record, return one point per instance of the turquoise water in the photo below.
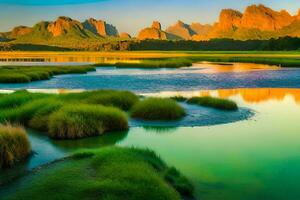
(251, 154)
(249, 159)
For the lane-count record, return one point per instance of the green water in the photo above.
(253, 159)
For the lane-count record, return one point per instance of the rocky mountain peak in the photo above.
(265, 19)
(229, 19)
(62, 25)
(156, 25)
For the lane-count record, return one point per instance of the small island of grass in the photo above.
(157, 109)
(26, 74)
(107, 173)
(72, 122)
(14, 145)
(217, 103)
(69, 116)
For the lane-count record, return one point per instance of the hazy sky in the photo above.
(127, 15)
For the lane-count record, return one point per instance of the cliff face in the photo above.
(100, 27)
(265, 19)
(63, 25)
(181, 30)
(185, 31)
(153, 32)
(229, 20)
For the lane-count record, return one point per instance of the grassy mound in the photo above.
(34, 109)
(157, 109)
(92, 175)
(19, 74)
(72, 122)
(14, 145)
(221, 104)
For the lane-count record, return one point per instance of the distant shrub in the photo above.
(157, 109)
(221, 104)
(79, 121)
(14, 145)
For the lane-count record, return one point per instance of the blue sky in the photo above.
(127, 15)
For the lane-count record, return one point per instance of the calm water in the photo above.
(201, 76)
(233, 158)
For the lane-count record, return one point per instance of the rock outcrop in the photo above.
(154, 32)
(20, 31)
(181, 30)
(100, 27)
(265, 19)
(63, 25)
(229, 20)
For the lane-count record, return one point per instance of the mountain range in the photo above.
(256, 22)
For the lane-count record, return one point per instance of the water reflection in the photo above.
(248, 95)
(213, 68)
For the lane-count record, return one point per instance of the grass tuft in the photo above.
(157, 109)
(78, 121)
(217, 103)
(14, 145)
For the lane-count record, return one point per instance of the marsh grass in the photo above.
(179, 98)
(14, 145)
(19, 98)
(34, 110)
(158, 63)
(79, 121)
(217, 103)
(157, 109)
(19, 74)
(120, 99)
(112, 172)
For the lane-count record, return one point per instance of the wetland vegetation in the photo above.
(213, 102)
(21, 74)
(14, 145)
(141, 174)
(157, 109)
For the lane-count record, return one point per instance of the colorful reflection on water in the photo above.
(252, 159)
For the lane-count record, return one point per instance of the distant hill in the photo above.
(64, 30)
(257, 22)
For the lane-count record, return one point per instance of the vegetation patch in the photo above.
(14, 145)
(19, 74)
(72, 122)
(87, 113)
(157, 109)
(158, 63)
(221, 104)
(141, 174)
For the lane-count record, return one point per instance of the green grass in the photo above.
(221, 104)
(14, 145)
(179, 98)
(102, 112)
(79, 121)
(108, 173)
(25, 74)
(158, 63)
(157, 109)
(121, 99)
